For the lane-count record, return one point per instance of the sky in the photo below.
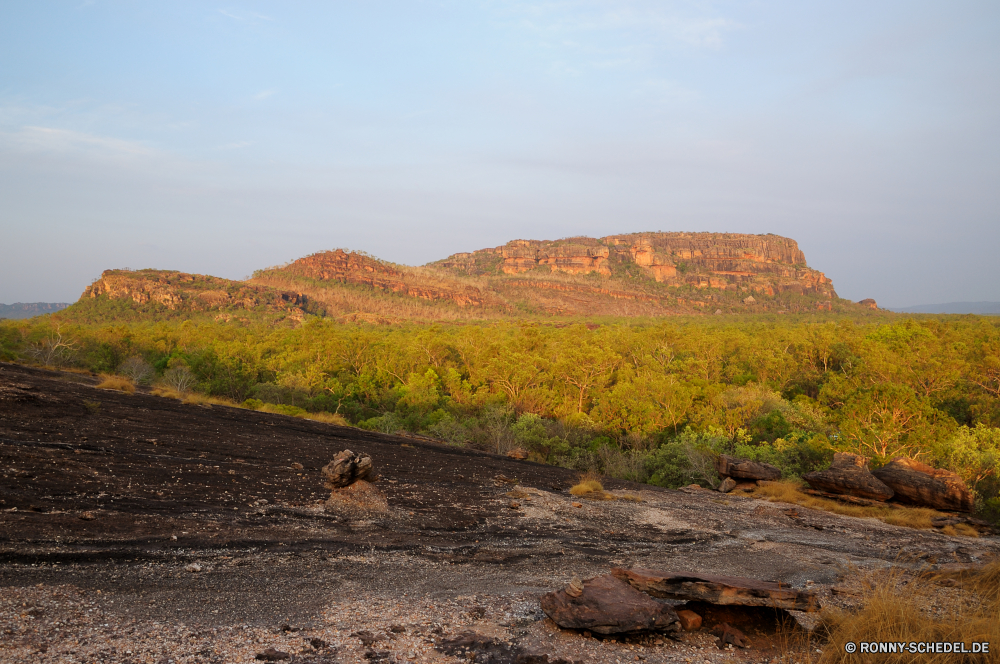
(223, 138)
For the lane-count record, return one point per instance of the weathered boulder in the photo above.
(728, 466)
(518, 453)
(347, 468)
(607, 605)
(919, 484)
(727, 485)
(717, 589)
(849, 474)
(690, 621)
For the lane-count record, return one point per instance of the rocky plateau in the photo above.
(640, 274)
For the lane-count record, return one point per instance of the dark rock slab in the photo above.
(608, 605)
(717, 589)
(849, 475)
(916, 483)
(729, 466)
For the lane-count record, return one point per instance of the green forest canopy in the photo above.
(650, 401)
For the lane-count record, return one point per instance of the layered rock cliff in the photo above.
(766, 264)
(638, 274)
(182, 292)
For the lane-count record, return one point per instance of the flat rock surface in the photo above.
(170, 485)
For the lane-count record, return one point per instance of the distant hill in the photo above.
(30, 309)
(982, 308)
(634, 275)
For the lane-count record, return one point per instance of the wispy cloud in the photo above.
(235, 146)
(244, 16)
(264, 94)
(33, 138)
(619, 26)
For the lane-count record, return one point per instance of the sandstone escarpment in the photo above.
(767, 264)
(183, 292)
(356, 268)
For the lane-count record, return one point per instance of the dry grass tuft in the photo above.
(328, 418)
(591, 488)
(586, 487)
(629, 497)
(896, 515)
(113, 382)
(900, 609)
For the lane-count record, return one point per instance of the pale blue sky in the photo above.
(220, 138)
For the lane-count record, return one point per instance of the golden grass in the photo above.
(113, 382)
(591, 488)
(328, 418)
(586, 487)
(897, 608)
(896, 515)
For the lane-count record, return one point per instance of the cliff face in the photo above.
(639, 274)
(183, 292)
(730, 261)
(354, 268)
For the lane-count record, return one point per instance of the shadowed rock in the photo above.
(849, 474)
(728, 466)
(919, 484)
(607, 605)
(717, 589)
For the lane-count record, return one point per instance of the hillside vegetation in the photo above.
(646, 400)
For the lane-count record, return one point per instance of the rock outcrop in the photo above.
(722, 590)
(849, 474)
(183, 292)
(347, 477)
(917, 483)
(729, 466)
(359, 269)
(607, 605)
(347, 468)
(764, 263)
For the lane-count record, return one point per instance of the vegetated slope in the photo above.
(30, 309)
(642, 274)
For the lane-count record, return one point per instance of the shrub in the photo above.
(179, 378)
(136, 369)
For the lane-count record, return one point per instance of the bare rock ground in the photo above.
(139, 529)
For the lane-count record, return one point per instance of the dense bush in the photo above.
(651, 401)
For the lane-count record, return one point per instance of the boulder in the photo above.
(728, 466)
(518, 453)
(608, 605)
(347, 468)
(723, 590)
(917, 483)
(690, 621)
(727, 485)
(849, 475)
